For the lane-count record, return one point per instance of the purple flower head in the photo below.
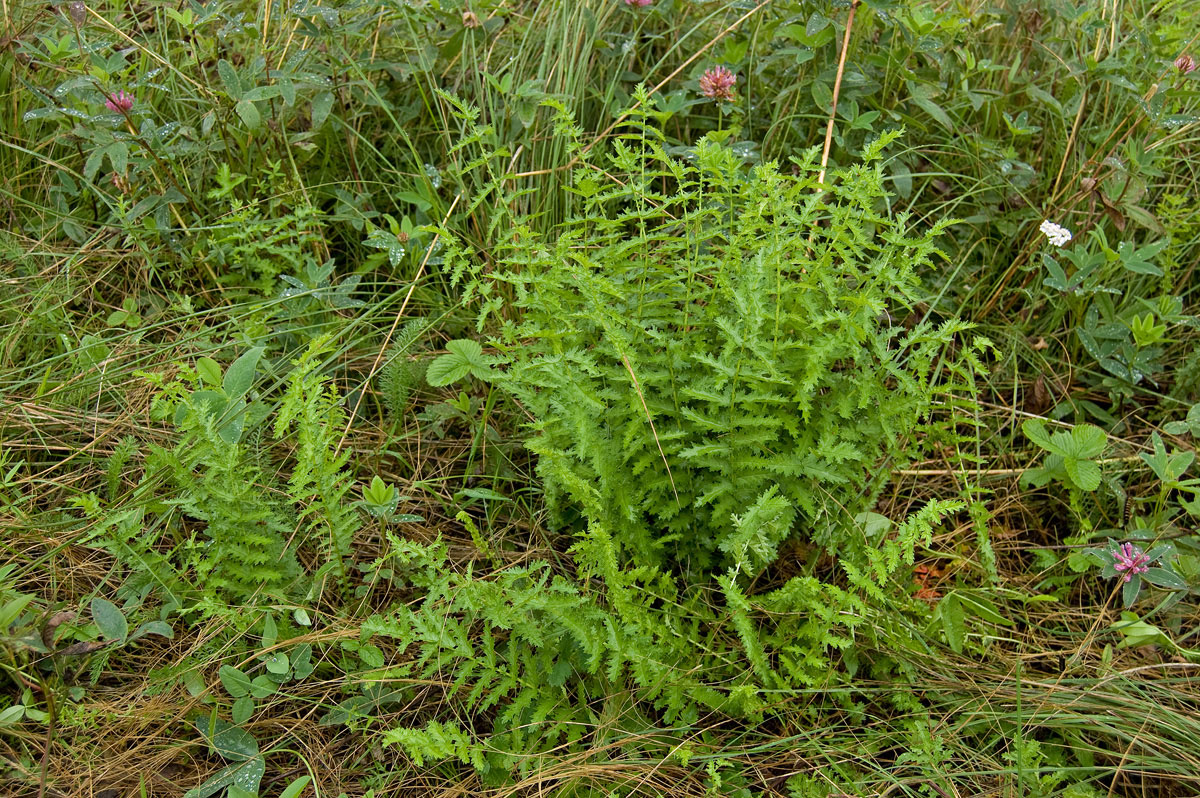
(1184, 63)
(1130, 560)
(717, 83)
(119, 103)
(638, 3)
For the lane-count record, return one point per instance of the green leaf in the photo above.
(470, 351)
(953, 622)
(214, 403)
(234, 420)
(233, 743)
(1087, 441)
(160, 628)
(371, 655)
(235, 682)
(983, 608)
(209, 371)
(1139, 633)
(302, 664)
(118, 156)
(248, 111)
(229, 76)
(240, 774)
(259, 93)
(243, 708)
(934, 110)
(287, 90)
(11, 609)
(240, 374)
(263, 686)
(1158, 462)
(12, 715)
(445, 370)
(1162, 577)
(321, 105)
(1035, 430)
(110, 620)
(270, 631)
(465, 357)
(378, 492)
(1129, 593)
(92, 165)
(1084, 473)
(294, 789)
(277, 663)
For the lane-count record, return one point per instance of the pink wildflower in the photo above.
(638, 3)
(717, 83)
(119, 103)
(1184, 63)
(1130, 560)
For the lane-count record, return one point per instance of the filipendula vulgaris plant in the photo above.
(235, 530)
(701, 339)
(713, 360)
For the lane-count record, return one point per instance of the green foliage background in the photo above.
(413, 397)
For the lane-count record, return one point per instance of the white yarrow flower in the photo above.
(1057, 234)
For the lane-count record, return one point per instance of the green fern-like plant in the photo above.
(401, 373)
(240, 551)
(702, 337)
(311, 414)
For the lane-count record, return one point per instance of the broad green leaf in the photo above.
(470, 351)
(12, 609)
(235, 421)
(953, 622)
(1129, 592)
(487, 494)
(262, 686)
(239, 377)
(234, 743)
(261, 93)
(277, 663)
(1157, 461)
(235, 682)
(1035, 430)
(248, 111)
(110, 620)
(270, 632)
(246, 775)
(229, 76)
(371, 655)
(243, 708)
(1087, 442)
(1162, 577)
(1139, 633)
(446, 369)
(160, 628)
(1084, 473)
(209, 371)
(302, 664)
(287, 90)
(12, 715)
(321, 106)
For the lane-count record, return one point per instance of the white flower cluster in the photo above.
(1057, 234)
